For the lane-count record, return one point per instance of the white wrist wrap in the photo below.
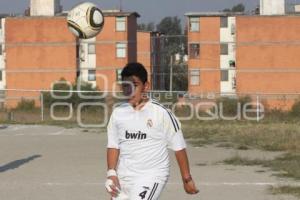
(109, 183)
(111, 172)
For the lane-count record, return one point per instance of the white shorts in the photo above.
(140, 190)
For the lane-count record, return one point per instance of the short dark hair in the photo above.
(135, 69)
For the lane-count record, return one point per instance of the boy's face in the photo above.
(134, 89)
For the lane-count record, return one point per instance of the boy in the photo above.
(139, 134)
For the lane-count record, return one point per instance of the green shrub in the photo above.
(295, 111)
(26, 105)
(75, 99)
(230, 105)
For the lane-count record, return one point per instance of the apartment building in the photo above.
(39, 51)
(236, 55)
(204, 38)
(267, 58)
(103, 57)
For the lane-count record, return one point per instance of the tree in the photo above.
(170, 26)
(62, 89)
(227, 10)
(180, 77)
(237, 8)
(146, 27)
(172, 42)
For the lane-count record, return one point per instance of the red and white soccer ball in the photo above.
(85, 20)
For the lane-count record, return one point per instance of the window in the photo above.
(224, 75)
(233, 29)
(194, 51)
(224, 49)
(232, 63)
(194, 77)
(121, 50)
(194, 24)
(234, 83)
(120, 23)
(224, 22)
(92, 75)
(118, 73)
(92, 49)
(0, 75)
(78, 73)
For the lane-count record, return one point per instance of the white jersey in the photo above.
(143, 138)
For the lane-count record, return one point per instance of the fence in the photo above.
(193, 81)
(93, 108)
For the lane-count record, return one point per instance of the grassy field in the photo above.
(271, 134)
(278, 131)
(285, 190)
(276, 136)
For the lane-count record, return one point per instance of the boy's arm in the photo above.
(183, 163)
(112, 158)
(112, 161)
(176, 142)
(112, 182)
(112, 144)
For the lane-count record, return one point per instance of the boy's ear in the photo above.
(146, 86)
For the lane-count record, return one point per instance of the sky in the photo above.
(150, 10)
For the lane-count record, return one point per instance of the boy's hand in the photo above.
(113, 186)
(112, 183)
(189, 186)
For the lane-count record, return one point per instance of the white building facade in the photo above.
(272, 7)
(45, 7)
(2, 60)
(228, 55)
(87, 60)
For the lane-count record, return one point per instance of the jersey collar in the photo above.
(144, 107)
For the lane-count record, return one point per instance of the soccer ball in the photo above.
(85, 20)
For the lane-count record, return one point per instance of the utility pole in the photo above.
(171, 74)
(121, 5)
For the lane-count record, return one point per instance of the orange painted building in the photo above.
(116, 46)
(239, 55)
(268, 58)
(144, 40)
(204, 59)
(39, 51)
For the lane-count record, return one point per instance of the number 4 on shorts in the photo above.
(143, 194)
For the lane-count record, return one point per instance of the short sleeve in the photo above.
(112, 133)
(172, 129)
